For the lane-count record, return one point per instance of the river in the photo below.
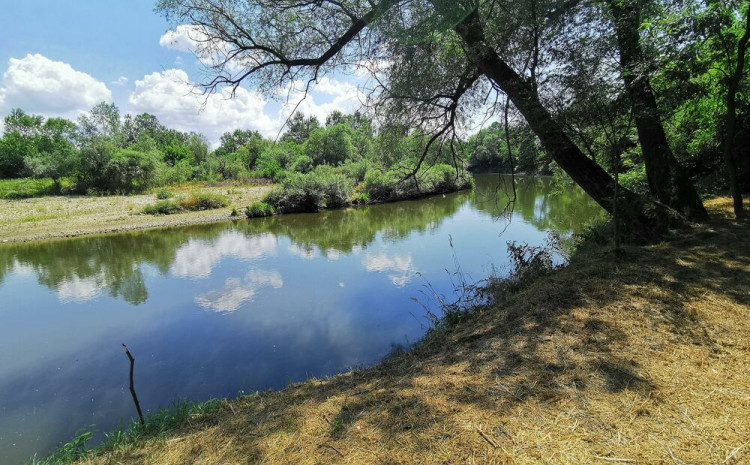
(209, 311)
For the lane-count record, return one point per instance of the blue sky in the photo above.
(59, 57)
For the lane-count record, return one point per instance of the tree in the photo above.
(300, 128)
(102, 121)
(330, 146)
(666, 177)
(730, 131)
(443, 56)
(21, 122)
(56, 156)
(15, 149)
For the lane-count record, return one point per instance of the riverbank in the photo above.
(70, 216)
(640, 358)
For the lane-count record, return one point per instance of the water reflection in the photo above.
(399, 268)
(238, 291)
(197, 257)
(254, 304)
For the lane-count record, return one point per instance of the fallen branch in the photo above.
(613, 459)
(132, 387)
(332, 448)
(487, 438)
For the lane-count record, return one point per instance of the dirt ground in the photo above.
(68, 216)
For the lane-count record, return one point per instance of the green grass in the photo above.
(162, 207)
(12, 189)
(35, 218)
(203, 201)
(259, 209)
(194, 202)
(154, 426)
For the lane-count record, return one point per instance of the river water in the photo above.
(208, 311)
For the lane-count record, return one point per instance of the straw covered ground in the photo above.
(643, 358)
(68, 216)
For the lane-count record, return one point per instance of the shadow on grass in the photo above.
(558, 335)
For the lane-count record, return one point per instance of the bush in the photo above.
(130, 171)
(204, 201)
(12, 189)
(380, 186)
(360, 198)
(259, 209)
(180, 173)
(163, 207)
(104, 168)
(322, 188)
(163, 194)
(442, 178)
(302, 164)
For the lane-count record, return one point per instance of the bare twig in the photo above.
(487, 438)
(132, 386)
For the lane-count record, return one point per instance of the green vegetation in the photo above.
(317, 166)
(203, 201)
(327, 187)
(163, 207)
(24, 188)
(259, 209)
(155, 425)
(194, 202)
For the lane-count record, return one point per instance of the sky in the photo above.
(61, 57)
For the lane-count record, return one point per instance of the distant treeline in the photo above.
(104, 152)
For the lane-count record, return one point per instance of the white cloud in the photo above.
(120, 81)
(189, 38)
(178, 104)
(185, 38)
(345, 97)
(52, 88)
(238, 291)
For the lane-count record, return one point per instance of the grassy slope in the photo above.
(645, 360)
(66, 216)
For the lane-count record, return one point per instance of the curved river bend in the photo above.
(211, 310)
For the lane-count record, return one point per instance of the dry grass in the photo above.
(645, 359)
(67, 216)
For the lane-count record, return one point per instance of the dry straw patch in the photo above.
(68, 216)
(641, 360)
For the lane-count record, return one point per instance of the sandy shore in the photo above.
(70, 216)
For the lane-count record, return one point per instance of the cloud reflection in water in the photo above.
(238, 291)
(197, 258)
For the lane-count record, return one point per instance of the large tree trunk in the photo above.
(585, 172)
(731, 121)
(666, 179)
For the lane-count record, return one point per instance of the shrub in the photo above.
(360, 198)
(442, 178)
(322, 188)
(180, 173)
(380, 186)
(259, 209)
(163, 194)
(302, 164)
(356, 170)
(203, 201)
(129, 171)
(162, 207)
